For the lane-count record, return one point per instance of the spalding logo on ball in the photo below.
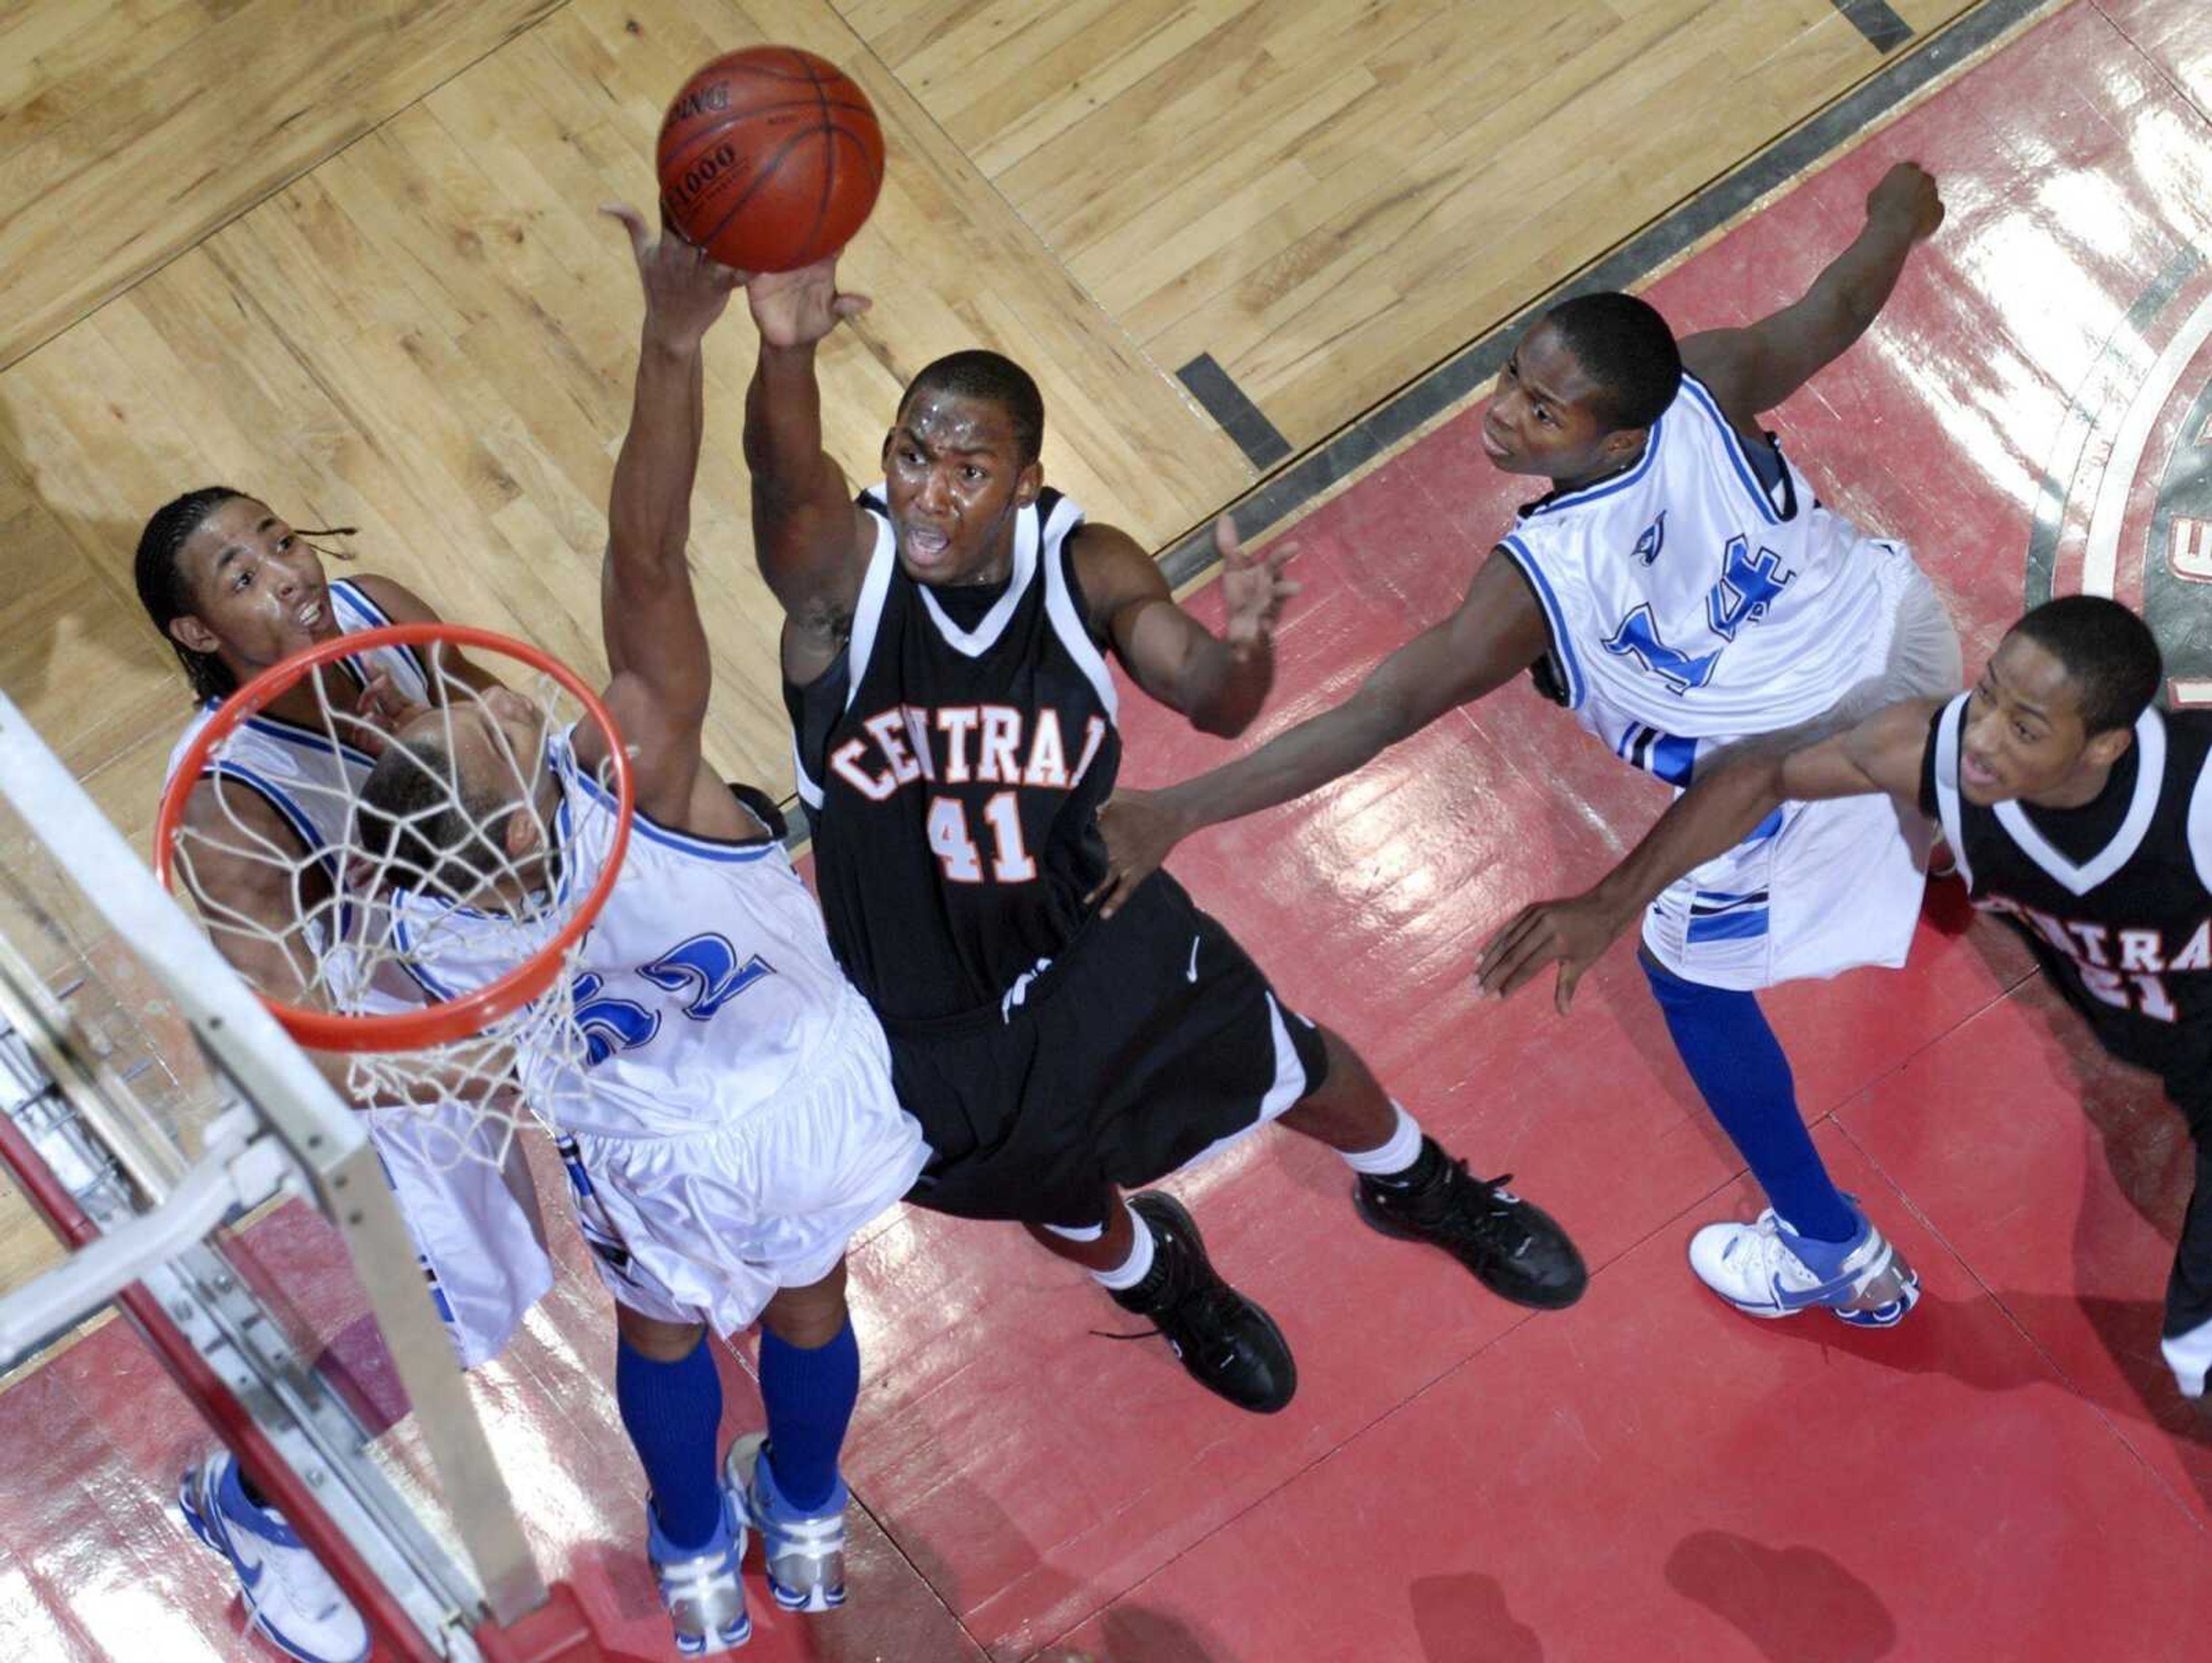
(769, 159)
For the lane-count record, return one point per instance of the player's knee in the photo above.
(808, 1317)
(650, 1337)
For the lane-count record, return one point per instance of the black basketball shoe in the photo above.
(1227, 1343)
(1515, 1249)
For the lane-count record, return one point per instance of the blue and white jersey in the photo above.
(1689, 606)
(704, 990)
(298, 771)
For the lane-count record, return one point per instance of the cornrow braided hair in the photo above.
(166, 594)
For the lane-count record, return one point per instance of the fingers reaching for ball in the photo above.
(686, 289)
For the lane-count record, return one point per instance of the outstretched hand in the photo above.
(686, 289)
(1140, 827)
(798, 308)
(1573, 933)
(1907, 195)
(1253, 587)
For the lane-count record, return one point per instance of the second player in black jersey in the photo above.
(944, 655)
(2075, 808)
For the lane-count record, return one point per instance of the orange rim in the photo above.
(451, 1019)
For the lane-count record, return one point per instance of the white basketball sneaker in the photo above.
(288, 1596)
(805, 1552)
(1765, 1269)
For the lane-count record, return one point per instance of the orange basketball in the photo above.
(769, 159)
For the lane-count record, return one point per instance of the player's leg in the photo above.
(1812, 1246)
(670, 1399)
(1147, 1255)
(288, 1594)
(786, 1478)
(483, 1259)
(2186, 1336)
(1407, 1186)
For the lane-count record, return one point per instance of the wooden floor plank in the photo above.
(431, 337)
(1284, 184)
(152, 126)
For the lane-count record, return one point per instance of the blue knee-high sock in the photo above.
(808, 1395)
(673, 1414)
(1737, 1063)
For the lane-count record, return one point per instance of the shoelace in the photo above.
(1216, 1300)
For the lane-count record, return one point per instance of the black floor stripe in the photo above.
(1390, 423)
(1884, 29)
(1240, 418)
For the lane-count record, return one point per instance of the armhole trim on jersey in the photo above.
(644, 825)
(2150, 779)
(810, 792)
(868, 610)
(2200, 824)
(1555, 618)
(1946, 784)
(1066, 617)
(291, 813)
(1732, 442)
(372, 617)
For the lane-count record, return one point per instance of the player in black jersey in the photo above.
(943, 653)
(2075, 808)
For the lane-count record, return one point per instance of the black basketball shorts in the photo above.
(1152, 1037)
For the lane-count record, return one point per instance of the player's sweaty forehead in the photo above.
(943, 423)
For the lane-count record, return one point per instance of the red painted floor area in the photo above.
(1649, 1477)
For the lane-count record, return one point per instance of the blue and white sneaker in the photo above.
(1765, 1269)
(804, 1551)
(705, 1600)
(289, 1598)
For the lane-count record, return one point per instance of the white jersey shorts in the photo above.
(472, 1211)
(706, 1225)
(1821, 887)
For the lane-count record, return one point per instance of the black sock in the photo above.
(250, 1489)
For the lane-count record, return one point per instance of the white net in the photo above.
(389, 838)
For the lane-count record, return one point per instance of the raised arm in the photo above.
(1882, 753)
(664, 670)
(1751, 370)
(811, 539)
(1497, 632)
(1218, 682)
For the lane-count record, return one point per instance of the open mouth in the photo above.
(314, 615)
(1976, 773)
(925, 547)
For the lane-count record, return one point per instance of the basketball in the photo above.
(769, 159)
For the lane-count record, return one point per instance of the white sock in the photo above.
(1133, 1269)
(1396, 1152)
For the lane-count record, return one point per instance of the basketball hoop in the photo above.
(371, 982)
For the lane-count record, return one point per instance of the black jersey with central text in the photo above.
(953, 759)
(2114, 897)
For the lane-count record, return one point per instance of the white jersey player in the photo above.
(1704, 598)
(233, 590)
(1683, 591)
(730, 1118)
(708, 1008)
(478, 1240)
